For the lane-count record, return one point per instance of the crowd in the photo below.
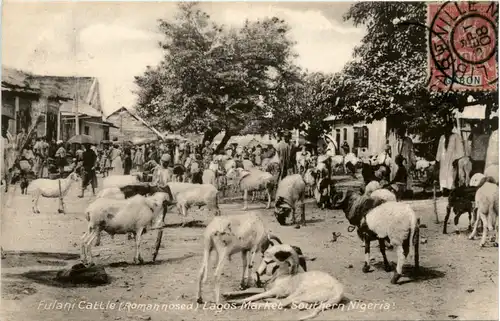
(394, 163)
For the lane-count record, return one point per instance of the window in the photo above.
(345, 134)
(361, 135)
(86, 130)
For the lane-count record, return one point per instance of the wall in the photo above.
(377, 131)
(129, 126)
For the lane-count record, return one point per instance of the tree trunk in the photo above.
(223, 142)
(209, 136)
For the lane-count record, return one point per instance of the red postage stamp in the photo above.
(463, 45)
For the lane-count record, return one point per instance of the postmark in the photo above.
(463, 46)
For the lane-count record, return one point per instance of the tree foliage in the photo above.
(213, 78)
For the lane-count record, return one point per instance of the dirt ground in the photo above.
(459, 280)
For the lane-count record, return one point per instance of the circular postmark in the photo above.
(463, 40)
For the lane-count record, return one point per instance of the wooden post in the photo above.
(77, 119)
(59, 125)
(434, 183)
(16, 112)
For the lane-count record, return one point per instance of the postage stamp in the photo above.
(463, 46)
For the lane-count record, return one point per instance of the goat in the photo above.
(291, 189)
(134, 215)
(378, 219)
(127, 191)
(187, 195)
(292, 286)
(228, 235)
(51, 188)
(487, 209)
(460, 200)
(253, 180)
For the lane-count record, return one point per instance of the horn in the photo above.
(342, 199)
(272, 237)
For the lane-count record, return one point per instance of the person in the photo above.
(400, 180)
(258, 155)
(478, 147)
(88, 164)
(450, 149)
(284, 154)
(8, 152)
(127, 162)
(139, 159)
(303, 159)
(345, 148)
(79, 152)
(403, 145)
(116, 160)
(384, 163)
(492, 151)
(60, 157)
(162, 173)
(21, 139)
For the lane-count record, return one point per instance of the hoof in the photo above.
(445, 232)
(366, 268)
(243, 286)
(481, 244)
(60, 211)
(395, 278)
(199, 301)
(297, 226)
(388, 268)
(390, 247)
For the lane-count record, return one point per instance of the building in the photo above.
(364, 139)
(85, 106)
(129, 125)
(57, 100)
(26, 104)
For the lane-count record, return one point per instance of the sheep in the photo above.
(350, 162)
(253, 180)
(375, 189)
(290, 190)
(133, 215)
(492, 171)
(120, 180)
(294, 287)
(487, 208)
(422, 165)
(188, 194)
(51, 188)
(378, 219)
(228, 235)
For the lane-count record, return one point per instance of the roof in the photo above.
(17, 80)
(83, 109)
(67, 87)
(145, 123)
(53, 86)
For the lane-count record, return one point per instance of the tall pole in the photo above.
(77, 119)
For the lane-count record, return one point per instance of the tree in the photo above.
(214, 78)
(388, 77)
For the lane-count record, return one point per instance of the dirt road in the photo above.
(459, 278)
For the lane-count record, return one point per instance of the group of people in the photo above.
(395, 162)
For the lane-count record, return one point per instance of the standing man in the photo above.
(284, 154)
(89, 159)
(403, 146)
(60, 157)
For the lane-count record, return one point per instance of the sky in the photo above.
(115, 41)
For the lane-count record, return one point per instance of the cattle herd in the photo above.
(128, 205)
